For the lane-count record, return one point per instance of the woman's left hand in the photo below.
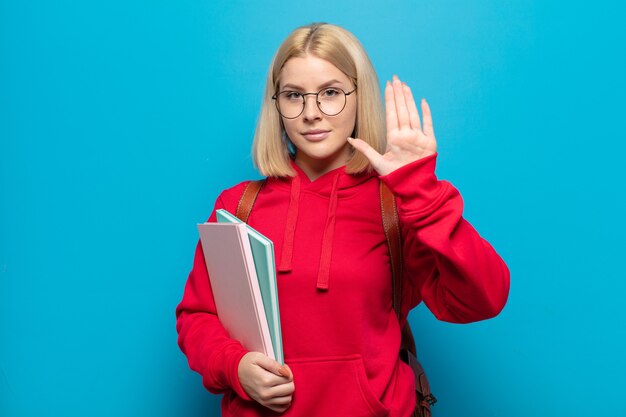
(407, 139)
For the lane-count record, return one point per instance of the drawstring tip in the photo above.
(322, 285)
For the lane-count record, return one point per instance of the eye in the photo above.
(292, 95)
(330, 92)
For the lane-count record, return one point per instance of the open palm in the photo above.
(407, 139)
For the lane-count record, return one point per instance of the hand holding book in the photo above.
(266, 381)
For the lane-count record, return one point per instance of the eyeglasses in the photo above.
(331, 101)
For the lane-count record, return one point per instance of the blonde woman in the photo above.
(324, 143)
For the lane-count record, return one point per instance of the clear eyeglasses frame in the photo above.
(290, 104)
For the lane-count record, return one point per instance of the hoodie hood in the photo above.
(334, 185)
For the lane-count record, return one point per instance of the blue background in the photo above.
(121, 121)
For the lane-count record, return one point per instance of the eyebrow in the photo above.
(326, 84)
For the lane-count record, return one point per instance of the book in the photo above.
(236, 291)
(263, 254)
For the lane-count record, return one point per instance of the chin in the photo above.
(322, 154)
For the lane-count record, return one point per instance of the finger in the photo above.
(282, 390)
(401, 109)
(289, 372)
(285, 371)
(414, 116)
(370, 153)
(279, 408)
(428, 119)
(278, 401)
(390, 107)
(270, 365)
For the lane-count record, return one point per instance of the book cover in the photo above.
(263, 254)
(236, 290)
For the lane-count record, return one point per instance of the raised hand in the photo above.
(407, 139)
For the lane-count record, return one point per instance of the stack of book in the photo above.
(240, 263)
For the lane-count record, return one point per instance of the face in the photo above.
(321, 140)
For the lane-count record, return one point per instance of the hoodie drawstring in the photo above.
(323, 275)
(290, 227)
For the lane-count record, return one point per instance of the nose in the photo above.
(311, 110)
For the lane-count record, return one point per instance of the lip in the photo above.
(316, 135)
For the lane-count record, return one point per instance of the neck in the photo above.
(316, 168)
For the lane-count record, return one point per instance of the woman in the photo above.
(322, 142)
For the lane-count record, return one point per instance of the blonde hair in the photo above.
(342, 49)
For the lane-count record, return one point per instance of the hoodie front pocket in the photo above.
(333, 386)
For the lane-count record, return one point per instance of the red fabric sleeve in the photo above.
(202, 337)
(447, 264)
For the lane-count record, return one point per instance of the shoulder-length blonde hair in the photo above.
(342, 49)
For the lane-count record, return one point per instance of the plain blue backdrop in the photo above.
(120, 122)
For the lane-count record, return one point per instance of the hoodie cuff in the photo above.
(234, 376)
(226, 366)
(415, 184)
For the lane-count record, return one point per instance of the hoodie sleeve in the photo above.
(202, 337)
(447, 264)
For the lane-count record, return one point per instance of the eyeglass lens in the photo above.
(330, 101)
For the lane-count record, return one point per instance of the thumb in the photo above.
(288, 373)
(285, 371)
(273, 366)
(369, 152)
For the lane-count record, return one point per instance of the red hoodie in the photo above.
(341, 336)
